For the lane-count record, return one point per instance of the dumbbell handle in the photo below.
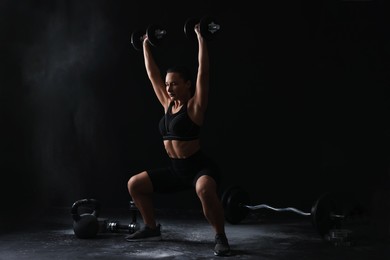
(158, 33)
(115, 226)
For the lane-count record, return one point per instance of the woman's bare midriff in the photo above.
(181, 149)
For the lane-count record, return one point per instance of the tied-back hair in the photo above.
(184, 73)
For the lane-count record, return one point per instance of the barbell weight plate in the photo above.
(233, 200)
(322, 211)
(189, 28)
(226, 200)
(226, 194)
(156, 34)
(137, 39)
(209, 27)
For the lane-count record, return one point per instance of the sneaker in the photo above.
(145, 234)
(222, 247)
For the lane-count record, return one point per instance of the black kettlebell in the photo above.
(86, 225)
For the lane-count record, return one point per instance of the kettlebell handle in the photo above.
(85, 202)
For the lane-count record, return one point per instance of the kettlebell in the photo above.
(85, 225)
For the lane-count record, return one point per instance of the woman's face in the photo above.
(175, 85)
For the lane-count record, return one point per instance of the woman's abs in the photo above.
(181, 149)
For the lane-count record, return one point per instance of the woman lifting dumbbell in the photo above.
(185, 106)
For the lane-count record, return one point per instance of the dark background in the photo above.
(299, 100)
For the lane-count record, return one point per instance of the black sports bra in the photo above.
(178, 126)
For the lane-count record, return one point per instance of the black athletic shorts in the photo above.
(182, 174)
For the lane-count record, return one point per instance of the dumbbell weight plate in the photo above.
(137, 39)
(209, 27)
(189, 27)
(156, 34)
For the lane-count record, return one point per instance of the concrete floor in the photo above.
(186, 235)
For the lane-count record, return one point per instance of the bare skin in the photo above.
(175, 89)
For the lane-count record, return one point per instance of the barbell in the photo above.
(331, 211)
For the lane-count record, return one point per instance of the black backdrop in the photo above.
(299, 99)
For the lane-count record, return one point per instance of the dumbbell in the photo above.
(118, 227)
(155, 35)
(209, 27)
(107, 226)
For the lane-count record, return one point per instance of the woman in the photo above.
(180, 128)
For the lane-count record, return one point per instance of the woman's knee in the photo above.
(132, 183)
(139, 183)
(205, 187)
